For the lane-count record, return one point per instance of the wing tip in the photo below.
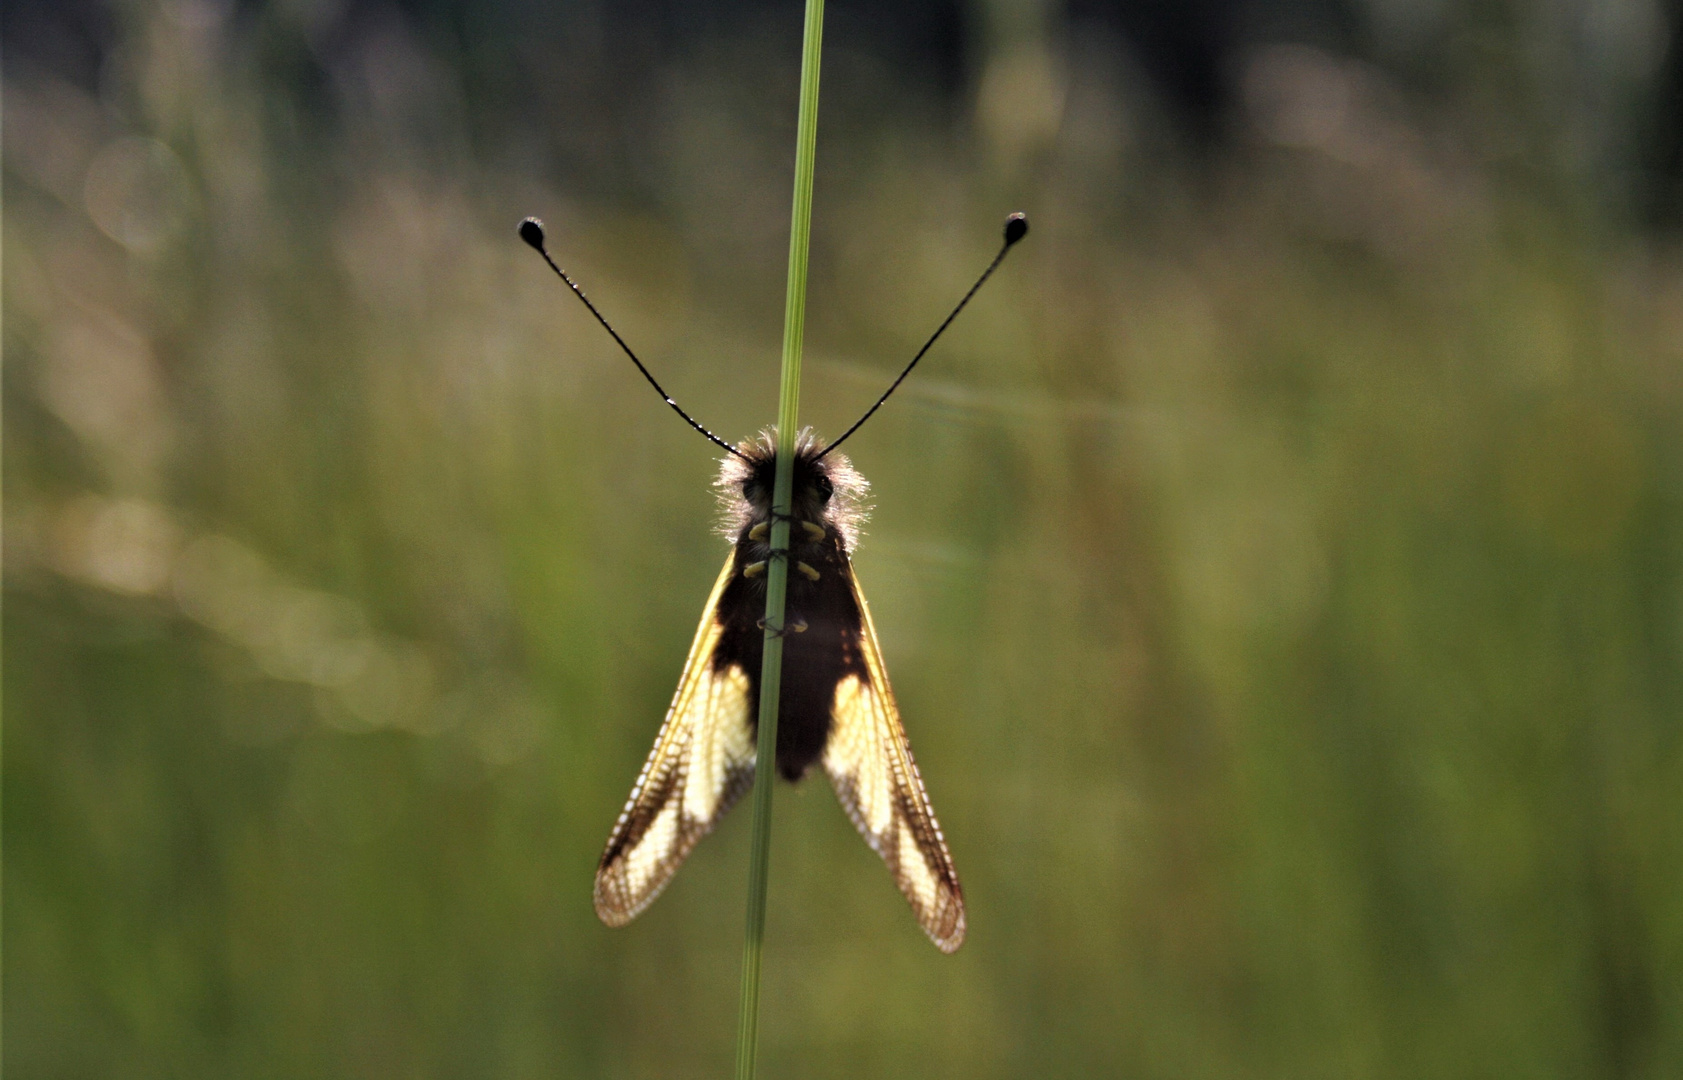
(608, 907)
(615, 903)
(612, 917)
(946, 925)
(950, 943)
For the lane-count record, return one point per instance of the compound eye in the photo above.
(824, 487)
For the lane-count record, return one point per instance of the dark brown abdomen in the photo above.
(814, 661)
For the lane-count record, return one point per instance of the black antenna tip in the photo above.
(531, 231)
(1016, 227)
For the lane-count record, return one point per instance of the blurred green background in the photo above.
(1280, 564)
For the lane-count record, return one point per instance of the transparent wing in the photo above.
(702, 762)
(870, 765)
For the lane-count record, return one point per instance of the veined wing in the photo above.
(870, 764)
(702, 762)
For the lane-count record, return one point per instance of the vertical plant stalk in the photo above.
(777, 567)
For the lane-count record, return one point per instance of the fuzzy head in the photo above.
(826, 491)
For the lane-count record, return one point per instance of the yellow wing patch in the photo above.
(702, 762)
(870, 765)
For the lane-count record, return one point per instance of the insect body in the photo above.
(835, 707)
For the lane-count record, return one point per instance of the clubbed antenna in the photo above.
(1016, 227)
(531, 231)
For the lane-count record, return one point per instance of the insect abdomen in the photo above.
(814, 659)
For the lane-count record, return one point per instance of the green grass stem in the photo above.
(777, 570)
